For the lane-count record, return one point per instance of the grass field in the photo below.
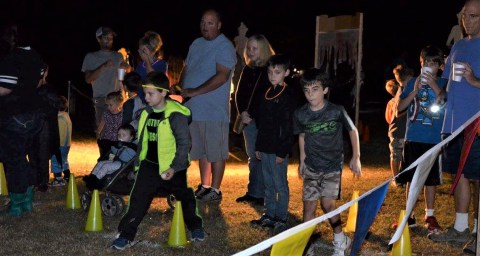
(55, 230)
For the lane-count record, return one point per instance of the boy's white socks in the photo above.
(339, 237)
(429, 212)
(461, 221)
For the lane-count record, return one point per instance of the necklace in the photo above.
(278, 94)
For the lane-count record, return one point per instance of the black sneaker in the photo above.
(259, 201)
(121, 243)
(200, 191)
(210, 195)
(264, 221)
(246, 198)
(198, 235)
(412, 222)
(57, 182)
(279, 227)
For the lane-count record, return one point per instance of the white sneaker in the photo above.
(342, 248)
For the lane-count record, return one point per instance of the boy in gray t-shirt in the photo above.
(319, 125)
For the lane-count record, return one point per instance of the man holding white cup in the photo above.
(102, 70)
(463, 102)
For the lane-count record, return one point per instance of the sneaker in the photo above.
(412, 222)
(342, 248)
(246, 198)
(451, 235)
(57, 182)
(121, 243)
(250, 199)
(432, 225)
(200, 190)
(313, 245)
(210, 196)
(471, 246)
(198, 235)
(279, 227)
(264, 221)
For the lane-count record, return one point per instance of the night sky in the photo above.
(63, 31)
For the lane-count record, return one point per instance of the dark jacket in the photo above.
(245, 87)
(275, 121)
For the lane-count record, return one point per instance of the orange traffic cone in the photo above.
(73, 199)
(402, 246)
(94, 220)
(352, 214)
(178, 235)
(366, 134)
(3, 182)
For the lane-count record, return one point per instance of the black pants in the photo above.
(39, 155)
(16, 137)
(147, 185)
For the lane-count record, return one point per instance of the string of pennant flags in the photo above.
(294, 240)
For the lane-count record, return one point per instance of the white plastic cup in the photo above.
(457, 71)
(425, 70)
(121, 74)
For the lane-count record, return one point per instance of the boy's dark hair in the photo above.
(403, 71)
(159, 80)
(432, 53)
(132, 81)
(279, 60)
(63, 103)
(313, 75)
(128, 127)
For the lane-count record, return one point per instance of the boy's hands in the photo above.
(300, 170)
(356, 166)
(258, 154)
(278, 160)
(168, 174)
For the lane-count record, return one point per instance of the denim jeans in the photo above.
(16, 135)
(276, 187)
(256, 187)
(56, 167)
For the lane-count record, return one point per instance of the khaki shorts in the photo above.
(320, 184)
(209, 140)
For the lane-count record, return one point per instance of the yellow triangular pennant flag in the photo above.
(293, 245)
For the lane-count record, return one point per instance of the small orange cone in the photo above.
(3, 182)
(402, 246)
(73, 199)
(352, 214)
(178, 234)
(94, 219)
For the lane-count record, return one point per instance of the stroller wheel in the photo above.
(110, 206)
(85, 200)
(171, 200)
(120, 202)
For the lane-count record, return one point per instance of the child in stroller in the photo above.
(115, 175)
(121, 153)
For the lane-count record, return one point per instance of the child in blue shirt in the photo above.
(424, 125)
